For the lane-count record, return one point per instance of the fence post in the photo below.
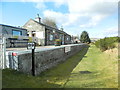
(4, 51)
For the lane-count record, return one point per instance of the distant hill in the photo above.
(94, 39)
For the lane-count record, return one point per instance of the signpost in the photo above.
(31, 46)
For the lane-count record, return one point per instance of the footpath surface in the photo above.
(96, 70)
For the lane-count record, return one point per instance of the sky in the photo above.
(98, 17)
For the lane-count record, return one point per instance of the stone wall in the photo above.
(47, 59)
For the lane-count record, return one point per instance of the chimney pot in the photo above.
(38, 19)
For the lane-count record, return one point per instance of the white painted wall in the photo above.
(40, 35)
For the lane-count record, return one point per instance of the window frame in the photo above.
(51, 37)
(16, 31)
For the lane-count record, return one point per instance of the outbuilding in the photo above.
(15, 36)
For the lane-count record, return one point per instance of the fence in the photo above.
(2, 52)
(18, 41)
(11, 60)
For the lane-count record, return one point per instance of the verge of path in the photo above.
(96, 70)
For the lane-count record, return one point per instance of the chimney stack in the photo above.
(38, 19)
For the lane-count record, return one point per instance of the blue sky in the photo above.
(98, 17)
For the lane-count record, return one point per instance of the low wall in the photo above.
(47, 59)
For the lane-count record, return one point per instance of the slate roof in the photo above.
(49, 27)
(13, 27)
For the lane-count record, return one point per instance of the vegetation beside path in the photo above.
(53, 78)
(95, 69)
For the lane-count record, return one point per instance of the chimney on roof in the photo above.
(38, 19)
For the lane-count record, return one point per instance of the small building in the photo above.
(75, 39)
(46, 34)
(15, 36)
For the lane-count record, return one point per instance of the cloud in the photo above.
(52, 0)
(94, 10)
(91, 6)
(58, 16)
(40, 5)
(81, 13)
(58, 3)
(93, 21)
(91, 11)
(113, 31)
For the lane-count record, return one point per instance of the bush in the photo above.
(103, 45)
(107, 43)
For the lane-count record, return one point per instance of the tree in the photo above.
(50, 22)
(84, 38)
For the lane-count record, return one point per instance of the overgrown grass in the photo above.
(101, 70)
(53, 78)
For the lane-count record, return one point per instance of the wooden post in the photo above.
(33, 62)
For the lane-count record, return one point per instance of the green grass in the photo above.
(52, 78)
(102, 67)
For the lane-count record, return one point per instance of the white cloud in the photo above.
(59, 17)
(58, 3)
(40, 5)
(93, 10)
(113, 31)
(93, 21)
(52, 0)
(82, 13)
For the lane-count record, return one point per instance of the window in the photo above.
(17, 33)
(51, 37)
(33, 34)
(61, 36)
(67, 38)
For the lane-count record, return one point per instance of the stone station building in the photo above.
(46, 34)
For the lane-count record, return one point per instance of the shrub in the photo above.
(103, 45)
(107, 43)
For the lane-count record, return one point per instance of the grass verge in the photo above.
(96, 70)
(52, 78)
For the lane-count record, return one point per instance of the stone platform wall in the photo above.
(47, 59)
